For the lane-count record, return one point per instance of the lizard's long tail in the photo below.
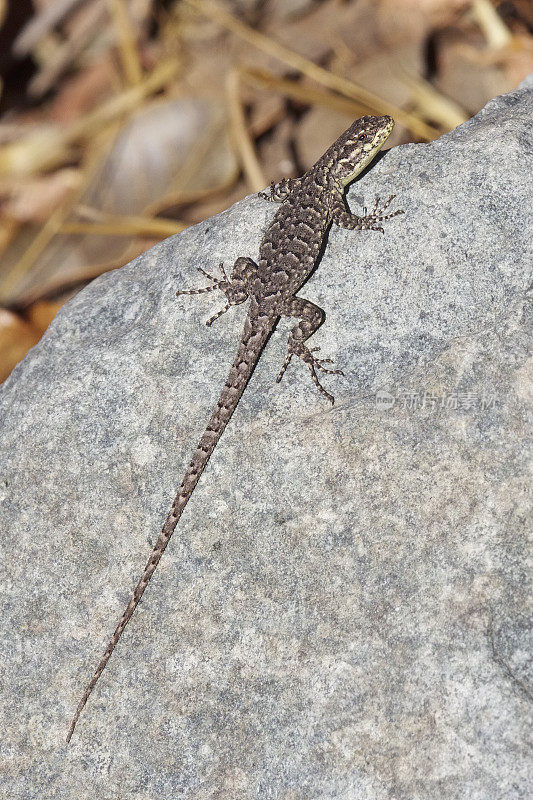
(255, 336)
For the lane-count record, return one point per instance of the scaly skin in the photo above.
(288, 255)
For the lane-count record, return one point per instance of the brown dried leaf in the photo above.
(469, 80)
(84, 91)
(519, 61)
(16, 338)
(34, 200)
(41, 314)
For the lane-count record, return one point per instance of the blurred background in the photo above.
(123, 122)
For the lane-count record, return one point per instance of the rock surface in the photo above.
(342, 612)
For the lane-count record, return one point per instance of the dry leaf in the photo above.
(16, 338)
(84, 91)
(41, 314)
(34, 200)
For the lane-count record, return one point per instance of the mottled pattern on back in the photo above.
(292, 242)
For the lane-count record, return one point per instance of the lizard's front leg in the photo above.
(280, 191)
(236, 287)
(345, 219)
(311, 318)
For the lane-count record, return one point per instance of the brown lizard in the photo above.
(288, 254)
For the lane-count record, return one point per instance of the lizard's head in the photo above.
(356, 148)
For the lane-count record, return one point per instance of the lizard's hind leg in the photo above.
(311, 318)
(236, 287)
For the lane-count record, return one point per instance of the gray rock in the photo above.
(342, 612)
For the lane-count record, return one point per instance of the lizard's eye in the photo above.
(362, 137)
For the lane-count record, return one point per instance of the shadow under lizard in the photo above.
(288, 254)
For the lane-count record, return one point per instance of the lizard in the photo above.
(288, 255)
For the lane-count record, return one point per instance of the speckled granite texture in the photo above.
(342, 612)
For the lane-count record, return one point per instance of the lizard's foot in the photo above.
(268, 195)
(306, 354)
(378, 216)
(215, 283)
(279, 191)
(233, 289)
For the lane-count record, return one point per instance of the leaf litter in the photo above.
(141, 117)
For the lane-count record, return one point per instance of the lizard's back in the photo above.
(293, 240)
